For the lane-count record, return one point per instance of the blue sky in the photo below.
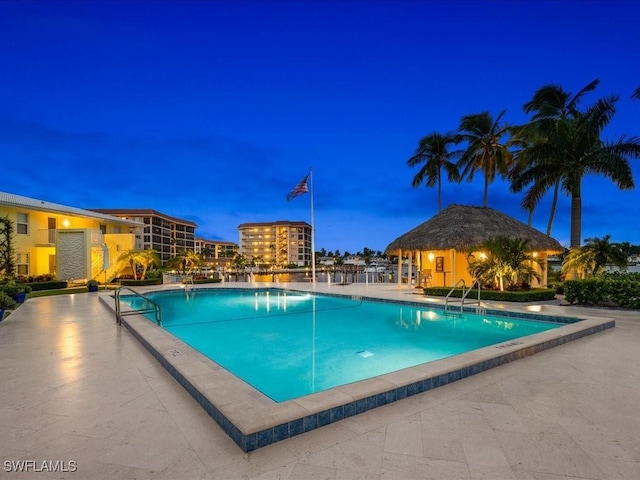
(213, 111)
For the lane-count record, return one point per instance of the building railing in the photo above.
(47, 236)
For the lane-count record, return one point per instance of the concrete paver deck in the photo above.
(79, 391)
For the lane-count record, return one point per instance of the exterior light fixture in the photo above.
(431, 256)
(65, 223)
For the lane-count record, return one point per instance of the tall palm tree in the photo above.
(433, 152)
(550, 105)
(572, 149)
(636, 94)
(596, 254)
(484, 150)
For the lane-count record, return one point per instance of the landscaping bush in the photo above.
(6, 302)
(13, 288)
(140, 283)
(534, 295)
(47, 277)
(48, 285)
(611, 289)
(199, 281)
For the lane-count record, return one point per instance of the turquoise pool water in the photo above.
(289, 344)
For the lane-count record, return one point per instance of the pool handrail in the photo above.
(464, 294)
(119, 313)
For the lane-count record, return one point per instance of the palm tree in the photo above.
(207, 253)
(147, 258)
(636, 94)
(596, 254)
(509, 261)
(484, 151)
(257, 261)
(239, 262)
(550, 105)
(183, 259)
(433, 152)
(572, 149)
(132, 257)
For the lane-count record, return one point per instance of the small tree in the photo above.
(593, 256)
(508, 262)
(132, 257)
(185, 259)
(148, 258)
(239, 263)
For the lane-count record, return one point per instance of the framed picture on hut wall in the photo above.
(439, 264)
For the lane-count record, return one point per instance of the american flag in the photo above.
(299, 189)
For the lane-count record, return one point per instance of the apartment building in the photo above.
(165, 234)
(220, 253)
(277, 243)
(67, 242)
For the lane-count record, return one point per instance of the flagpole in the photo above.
(313, 231)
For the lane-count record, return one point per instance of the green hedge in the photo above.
(533, 295)
(140, 283)
(618, 290)
(207, 280)
(51, 285)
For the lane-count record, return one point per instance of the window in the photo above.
(22, 223)
(103, 229)
(22, 262)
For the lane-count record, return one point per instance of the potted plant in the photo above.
(16, 290)
(6, 303)
(92, 285)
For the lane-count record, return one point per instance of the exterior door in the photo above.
(52, 264)
(52, 224)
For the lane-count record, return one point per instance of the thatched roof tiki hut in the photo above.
(439, 248)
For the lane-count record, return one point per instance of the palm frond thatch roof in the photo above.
(464, 228)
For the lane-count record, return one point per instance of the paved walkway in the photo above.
(77, 390)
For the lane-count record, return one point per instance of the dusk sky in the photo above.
(213, 111)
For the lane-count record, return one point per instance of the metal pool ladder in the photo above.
(465, 293)
(155, 308)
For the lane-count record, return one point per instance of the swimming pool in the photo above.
(253, 420)
(289, 344)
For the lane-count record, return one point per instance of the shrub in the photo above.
(622, 290)
(534, 295)
(47, 277)
(140, 283)
(6, 302)
(13, 288)
(199, 281)
(48, 285)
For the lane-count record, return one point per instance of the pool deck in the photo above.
(75, 387)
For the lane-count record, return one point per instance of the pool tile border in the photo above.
(245, 422)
